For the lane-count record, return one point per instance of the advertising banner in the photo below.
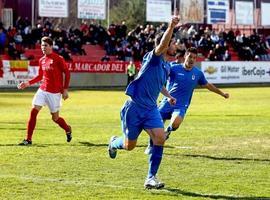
(53, 8)
(265, 9)
(244, 13)
(236, 72)
(99, 67)
(15, 72)
(217, 11)
(92, 9)
(158, 10)
(192, 11)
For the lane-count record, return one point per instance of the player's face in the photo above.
(190, 59)
(46, 48)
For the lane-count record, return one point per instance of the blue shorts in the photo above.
(135, 118)
(166, 111)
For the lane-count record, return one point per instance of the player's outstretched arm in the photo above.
(214, 89)
(36, 79)
(165, 40)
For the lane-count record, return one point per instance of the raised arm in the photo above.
(165, 40)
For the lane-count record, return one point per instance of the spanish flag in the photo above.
(19, 65)
(1, 69)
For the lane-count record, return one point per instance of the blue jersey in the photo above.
(181, 83)
(145, 89)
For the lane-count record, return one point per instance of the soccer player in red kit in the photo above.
(54, 76)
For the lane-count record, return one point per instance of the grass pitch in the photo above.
(221, 151)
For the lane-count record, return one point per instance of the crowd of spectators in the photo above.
(118, 42)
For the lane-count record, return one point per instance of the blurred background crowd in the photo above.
(131, 43)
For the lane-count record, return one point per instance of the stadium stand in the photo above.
(92, 42)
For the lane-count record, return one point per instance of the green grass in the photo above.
(221, 151)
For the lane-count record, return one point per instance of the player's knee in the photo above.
(159, 141)
(175, 126)
(129, 147)
(55, 118)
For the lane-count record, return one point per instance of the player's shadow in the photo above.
(12, 123)
(226, 158)
(89, 144)
(8, 145)
(12, 128)
(177, 192)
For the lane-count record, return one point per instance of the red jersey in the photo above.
(51, 70)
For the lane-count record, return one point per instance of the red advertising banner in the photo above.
(97, 67)
(100, 67)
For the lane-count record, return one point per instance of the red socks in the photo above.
(62, 123)
(31, 123)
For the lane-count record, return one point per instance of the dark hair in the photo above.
(192, 50)
(159, 37)
(47, 40)
(180, 53)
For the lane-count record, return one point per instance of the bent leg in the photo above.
(60, 121)
(123, 143)
(131, 129)
(175, 122)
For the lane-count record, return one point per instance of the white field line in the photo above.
(183, 147)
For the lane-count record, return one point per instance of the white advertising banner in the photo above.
(217, 11)
(92, 9)
(265, 9)
(158, 10)
(13, 75)
(244, 13)
(192, 11)
(53, 8)
(236, 72)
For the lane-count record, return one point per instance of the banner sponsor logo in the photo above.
(265, 14)
(217, 11)
(244, 13)
(237, 72)
(210, 70)
(53, 8)
(158, 10)
(91, 9)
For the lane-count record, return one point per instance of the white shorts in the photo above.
(52, 100)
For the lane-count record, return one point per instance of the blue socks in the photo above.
(118, 143)
(155, 160)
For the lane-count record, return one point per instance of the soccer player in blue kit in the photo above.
(140, 112)
(182, 81)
